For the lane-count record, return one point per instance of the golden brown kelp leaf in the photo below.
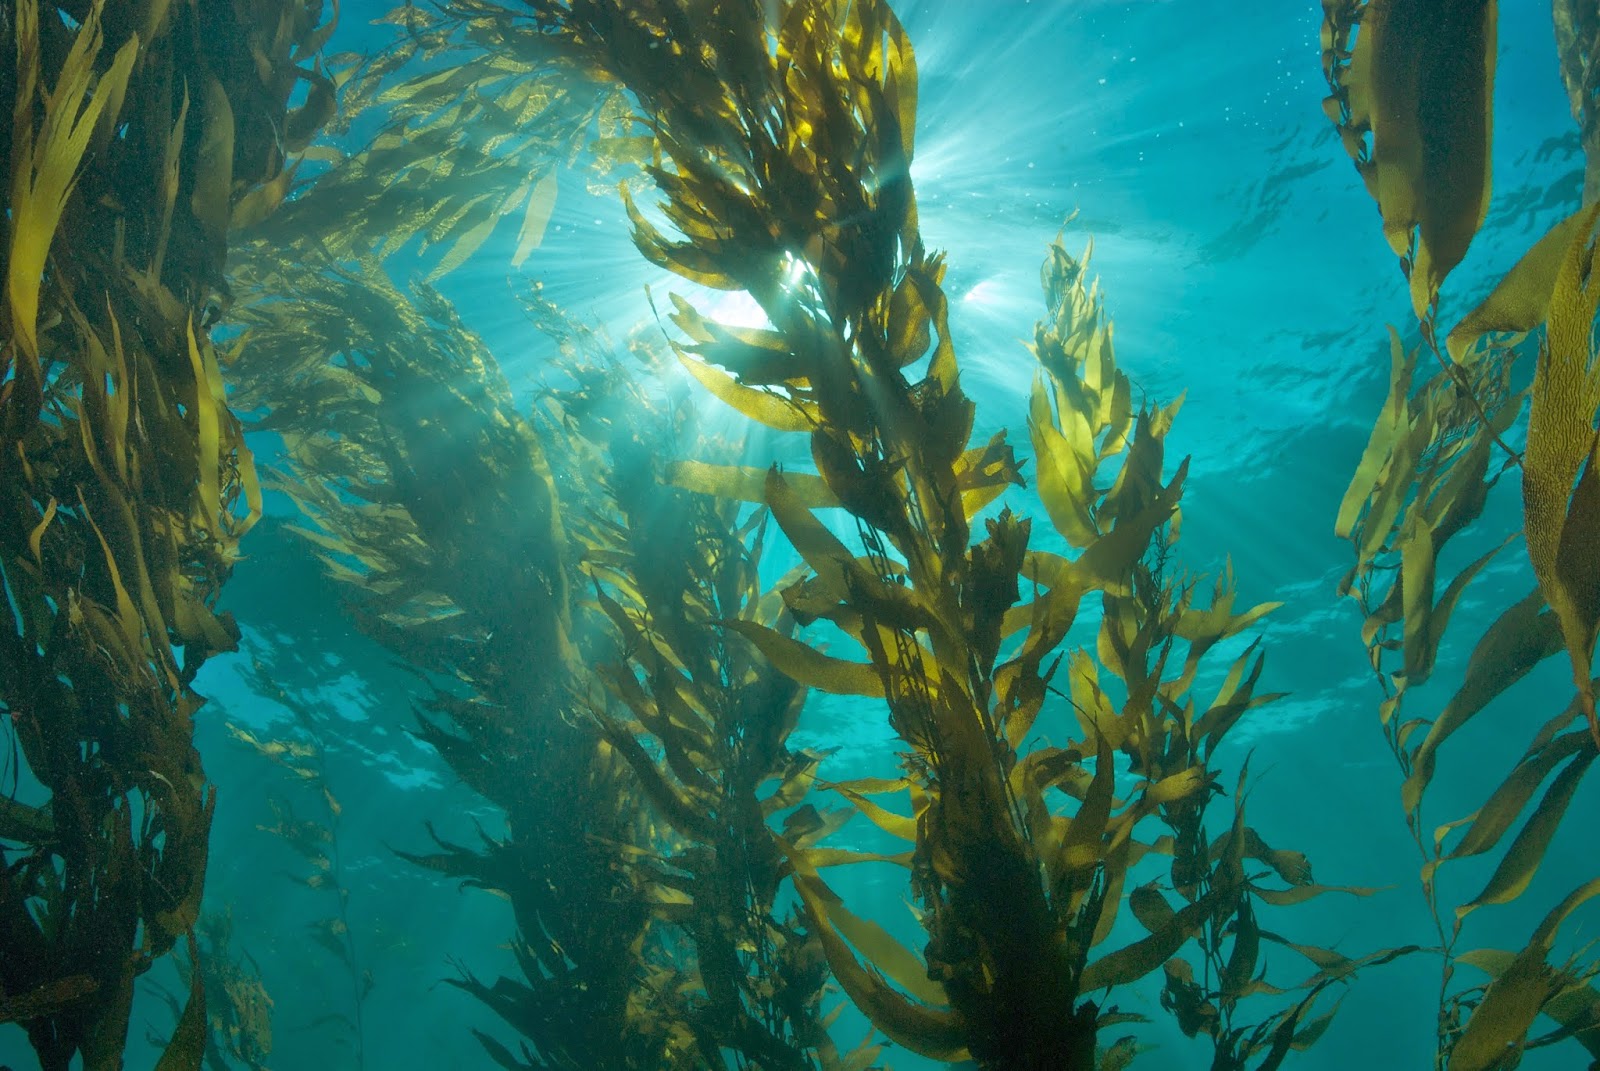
(1578, 41)
(1560, 485)
(1521, 301)
(1423, 478)
(47, 161)
(1419, 83)
(1497, 1031)
(1575, 1007)
(186, 1050)
(1093, 411)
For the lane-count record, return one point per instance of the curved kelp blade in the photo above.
(1420, 82)
(1560, 484)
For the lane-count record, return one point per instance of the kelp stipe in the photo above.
(1412, 98)
(134, 139)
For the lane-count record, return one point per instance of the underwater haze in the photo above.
(1244, 266)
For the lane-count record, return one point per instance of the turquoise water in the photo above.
(1243, 264)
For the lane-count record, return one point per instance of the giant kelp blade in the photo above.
(187, 1048)
(1527, 850)
(1519, 639)
(1134, 961)
(1497, 1031)
(536, 217)
(1560, 518)
(931, 1031)
(1420, 80)
(747, 483)
(1576, 1006)
(1493, 820)
(807, 666)
(1521, 300)
(50, 158)
(776, 411)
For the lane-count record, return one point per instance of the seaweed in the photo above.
(1434, 459)
(432, 501)
(436, 504)
(238, 1008)
(785, 143)
(468, 136)
(1578, 42)
(136, 136)
(701, 716)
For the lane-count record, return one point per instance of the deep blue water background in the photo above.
(1242, 262)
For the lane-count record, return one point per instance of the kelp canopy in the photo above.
(589, 587)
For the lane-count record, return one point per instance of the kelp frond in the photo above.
(1423, 87)
(785, 152)
(132, 139)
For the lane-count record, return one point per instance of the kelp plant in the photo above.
(1412, 96)
(432, 501)
(784, 154)
(136, 136)
(701, 716)
(433, 504)
(685, 957)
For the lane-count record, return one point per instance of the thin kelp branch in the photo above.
(1412, 97)
(1425, 477)
(136, 138)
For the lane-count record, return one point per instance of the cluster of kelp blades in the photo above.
(136, 138)
(584, 599)
(1412, 96)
